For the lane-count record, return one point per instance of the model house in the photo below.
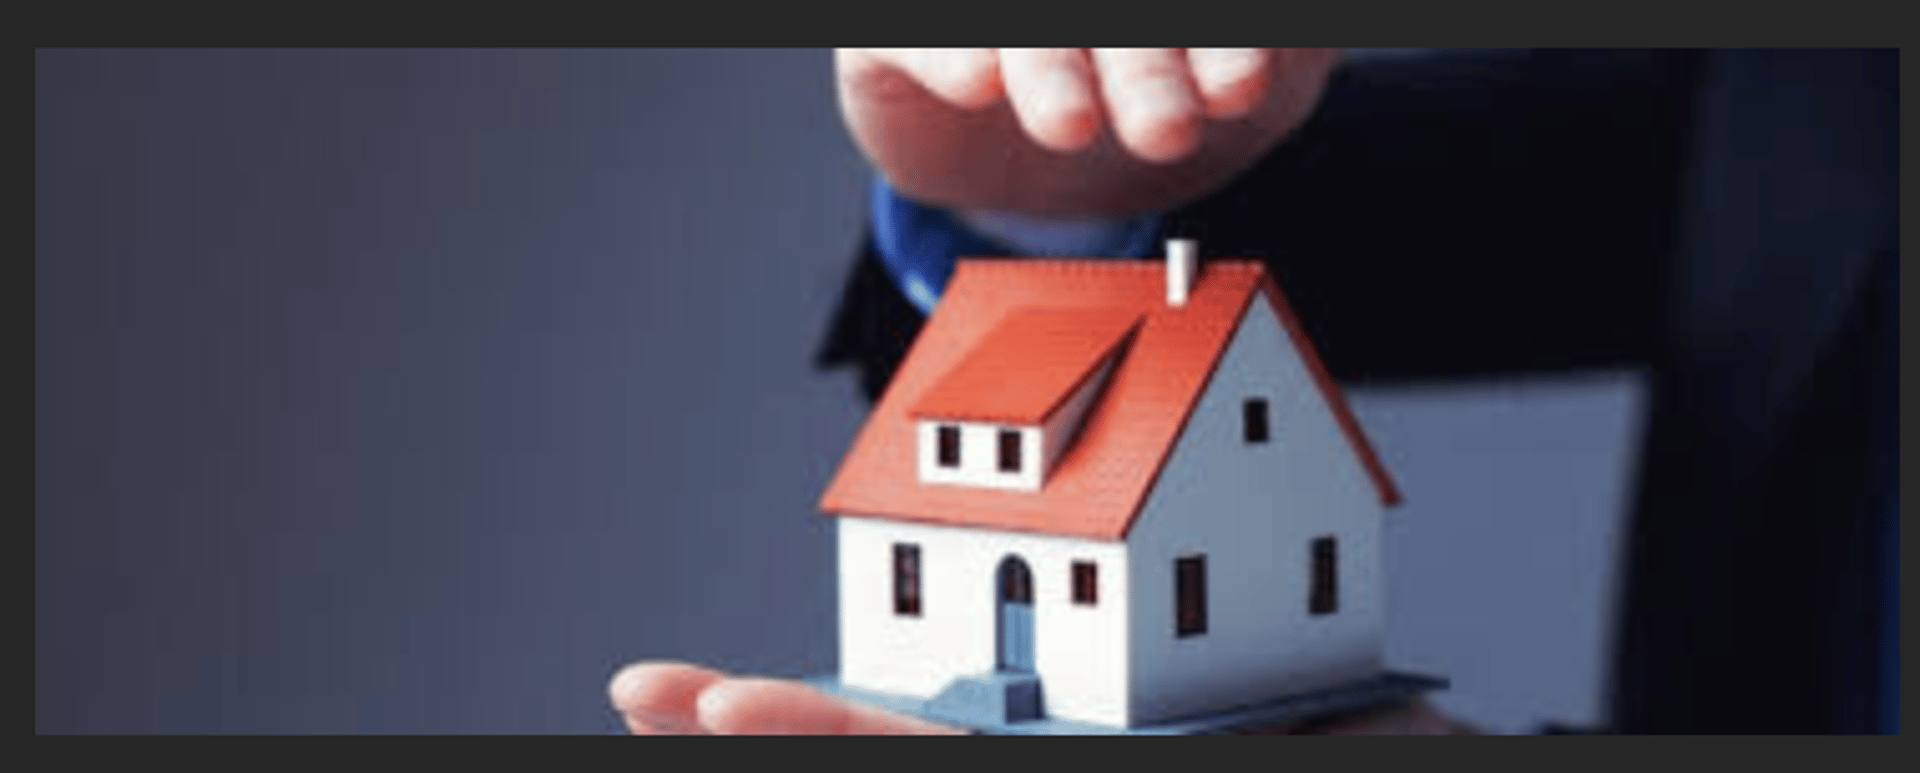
(1109, 492)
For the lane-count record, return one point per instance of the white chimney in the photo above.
(1183, 255)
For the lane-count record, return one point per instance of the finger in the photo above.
(660, 698)
(1053, 93)
(1151, 97)
(1230, 80)
(968, 78)
(772, 707)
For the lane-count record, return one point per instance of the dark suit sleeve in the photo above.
(873, 326)
(1473, 213)
(1456, 215)
(1758, 584)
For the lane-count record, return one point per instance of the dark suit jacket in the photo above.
(1723, 219)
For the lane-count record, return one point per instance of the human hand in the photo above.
(661, 698)
(1070, 132)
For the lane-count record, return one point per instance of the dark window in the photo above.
(1016, 583)
(1256, 420)
(949, 446)
(1324, 599)
(1086, 583)
(1009, 451)
(1190, 594)
(906, 579)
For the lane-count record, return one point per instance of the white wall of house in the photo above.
(979, 456)
(1080, 652)
(1253, 510)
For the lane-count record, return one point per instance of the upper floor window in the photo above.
(1254, 424)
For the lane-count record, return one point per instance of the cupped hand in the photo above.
(1071, 132)
(666, 698)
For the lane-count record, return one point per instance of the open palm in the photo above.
(666, 698)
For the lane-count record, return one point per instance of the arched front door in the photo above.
(1015, 603)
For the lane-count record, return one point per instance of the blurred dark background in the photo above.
(416, 391)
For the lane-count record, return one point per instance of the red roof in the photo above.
(1097, 489)
(1028, 365)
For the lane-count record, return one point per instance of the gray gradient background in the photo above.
(415, 391)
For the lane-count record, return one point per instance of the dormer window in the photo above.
(1009, 451)
(949, 446)
(981, 454)
(1008, 409)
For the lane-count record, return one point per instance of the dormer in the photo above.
(1010, 409)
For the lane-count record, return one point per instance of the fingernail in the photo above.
(1163, 98)
(1236, 57)
(1061, 83)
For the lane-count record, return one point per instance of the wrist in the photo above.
(918, 244)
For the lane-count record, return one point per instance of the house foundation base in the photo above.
(1374, 693)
